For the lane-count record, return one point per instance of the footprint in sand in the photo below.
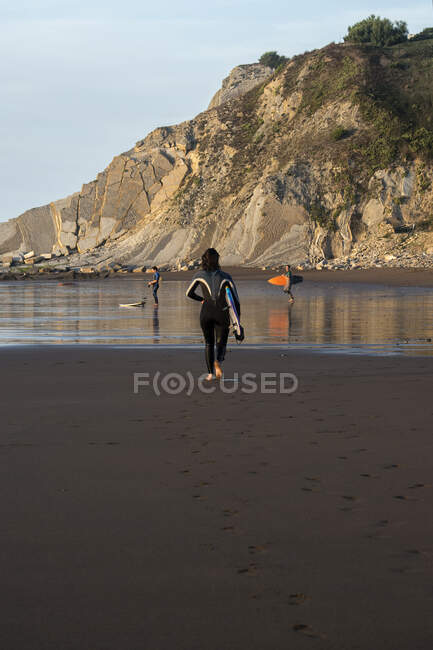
(228, 529)
(403, 569)
(377, 536)
(259, 548)
(307, 630)
(250, 570)
(382, 523)
(412, 551)
(419, 485)
(18, 444)
(297, 599)
(403, 497)
(230, 513)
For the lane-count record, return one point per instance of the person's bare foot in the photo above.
(218, 370)
(209, 377)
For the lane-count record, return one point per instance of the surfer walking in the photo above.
(289, 283)
(214, 314)
(155, 285)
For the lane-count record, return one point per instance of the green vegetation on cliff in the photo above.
(272, 59)
(356, 107)
(392, 88)
(377, 31)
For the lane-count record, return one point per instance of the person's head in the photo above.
(287, 267)
(210, 260)
(154, 268)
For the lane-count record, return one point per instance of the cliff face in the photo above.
(323, 157)
(240, 80)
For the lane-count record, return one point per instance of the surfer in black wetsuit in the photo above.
(214, 315)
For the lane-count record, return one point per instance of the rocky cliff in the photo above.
(326, 158)
(240, 80)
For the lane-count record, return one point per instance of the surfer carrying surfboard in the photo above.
(214, 315)
(286, 280)
(155, 284)
(289, 282)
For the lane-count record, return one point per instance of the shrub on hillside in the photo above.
(339, 133)
(272, 59)
(378, 31)
(424, 35)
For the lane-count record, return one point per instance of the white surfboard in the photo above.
(238, 330)
(133, 304)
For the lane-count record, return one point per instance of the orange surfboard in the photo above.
(278, 280)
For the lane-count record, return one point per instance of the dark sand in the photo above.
(238, 522)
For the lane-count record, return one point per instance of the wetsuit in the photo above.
(214, 315)
(288, 288)
(289, 276)
(155, 286)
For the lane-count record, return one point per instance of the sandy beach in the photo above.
(236, 521)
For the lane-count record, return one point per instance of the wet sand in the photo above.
(223, 521)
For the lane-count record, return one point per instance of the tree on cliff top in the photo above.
(426, 33)
(272, 59)
(378, 31)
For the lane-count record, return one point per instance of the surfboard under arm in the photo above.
(234, 317)
(281, 280)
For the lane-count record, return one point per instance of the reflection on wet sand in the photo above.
(155, 325)
(280, 322)
(322, 314)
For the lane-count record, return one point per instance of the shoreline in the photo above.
(404, 277)
(418, 348)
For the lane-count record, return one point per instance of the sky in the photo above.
(83, 80)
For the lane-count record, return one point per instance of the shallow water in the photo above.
(346, 317)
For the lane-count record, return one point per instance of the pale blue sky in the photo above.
(82, 81)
